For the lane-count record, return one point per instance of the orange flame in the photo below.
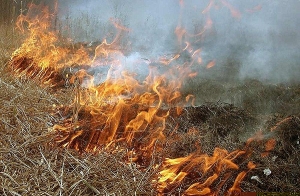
(211, 64)
(44, 54)
(199, 166)
(234, 12)
(123, 109)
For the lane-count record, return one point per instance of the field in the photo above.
(247, 131)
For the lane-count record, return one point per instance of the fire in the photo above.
(41, 49)
(207, 169)
(210, 64)
(124, 110)
(45, 55)
(234, 12)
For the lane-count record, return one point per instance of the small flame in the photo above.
(254, 9)
(234, 12)
(211, 64)
(199, 166)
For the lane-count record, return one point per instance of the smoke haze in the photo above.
(261, 37)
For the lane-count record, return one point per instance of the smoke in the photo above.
(133, 63)
(260, 38)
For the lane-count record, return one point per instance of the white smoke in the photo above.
(264, 42)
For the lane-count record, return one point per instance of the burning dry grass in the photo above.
(30, 167)
(213, 134)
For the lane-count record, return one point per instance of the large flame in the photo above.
(124, 109)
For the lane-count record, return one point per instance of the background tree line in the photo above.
(11, 9)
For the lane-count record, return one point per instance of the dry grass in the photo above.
(31, 165)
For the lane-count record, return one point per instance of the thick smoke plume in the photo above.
(260, 38)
